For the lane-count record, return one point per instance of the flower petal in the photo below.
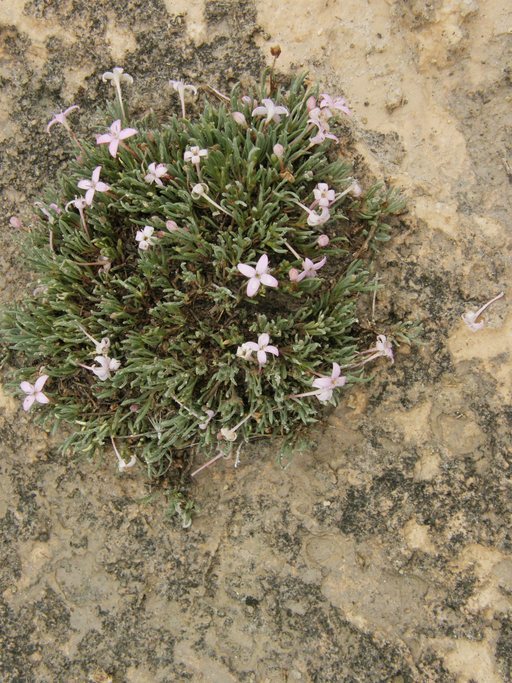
(112, 148)
(40, 382)
(269, 280)
(26, 387)
(252, 286)
(42, 398)
(322, 382)
(335, 371)
(263, 339)
(262, 357)
(272, 349)
(29, 400)
(252, 346)
(262, 265)
(127, 133)
(246, 270)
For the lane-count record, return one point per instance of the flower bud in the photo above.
(293, 274)
(199, 190)
(172, 226)
(15, 222)
(311, 103)
(239, 118)
(323, 240)
(278, 150)
(356, 189)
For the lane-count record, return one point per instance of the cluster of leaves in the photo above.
(176, 313)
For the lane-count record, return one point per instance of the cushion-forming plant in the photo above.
(197, 279)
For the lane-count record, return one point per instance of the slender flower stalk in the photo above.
(80, 203)
(116, 77)
(471, 317)
(200, 190)
(180, 87)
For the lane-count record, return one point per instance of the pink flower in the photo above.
(270, 111)
(323, 240)
(15, 222)
(323, 195)
(257, 276)
(114, 137)
(262, 348)
(34, 392)
(310, 268)
(61, 118)
(93, 185)
(155, 173)
(321, 136)
(338, 103)
(327, 385)
(382, 348)
(470, 317)
(311, 103)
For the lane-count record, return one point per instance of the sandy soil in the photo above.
(383, 553)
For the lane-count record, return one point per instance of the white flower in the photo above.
(270, 111)
(34, 392)
(244, 351)
(117, 76)
(180, 87)
(155, 173)
(194, 155)
(145, 237)
(106, 367)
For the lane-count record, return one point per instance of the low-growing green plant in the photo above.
(197, 279)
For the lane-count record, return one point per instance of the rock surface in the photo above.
(383, 552)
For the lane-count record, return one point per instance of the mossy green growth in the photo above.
(176, 313)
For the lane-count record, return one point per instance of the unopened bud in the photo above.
(239, 118)
(172, 226)
(293, 274)
(323, 240)
(15, 222)
(356, 190)
(278, 150)
(275, 51)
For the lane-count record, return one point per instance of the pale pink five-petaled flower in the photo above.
(155, 173)
(337, 103)
(61, 117)
(114, 137)
(310, 268)
(262, 347)
(324, 196)
(93, 185)
(271, 111)
(194, 155)
(257, 276)
(145, 237)
(326, 385)
(34, 392)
